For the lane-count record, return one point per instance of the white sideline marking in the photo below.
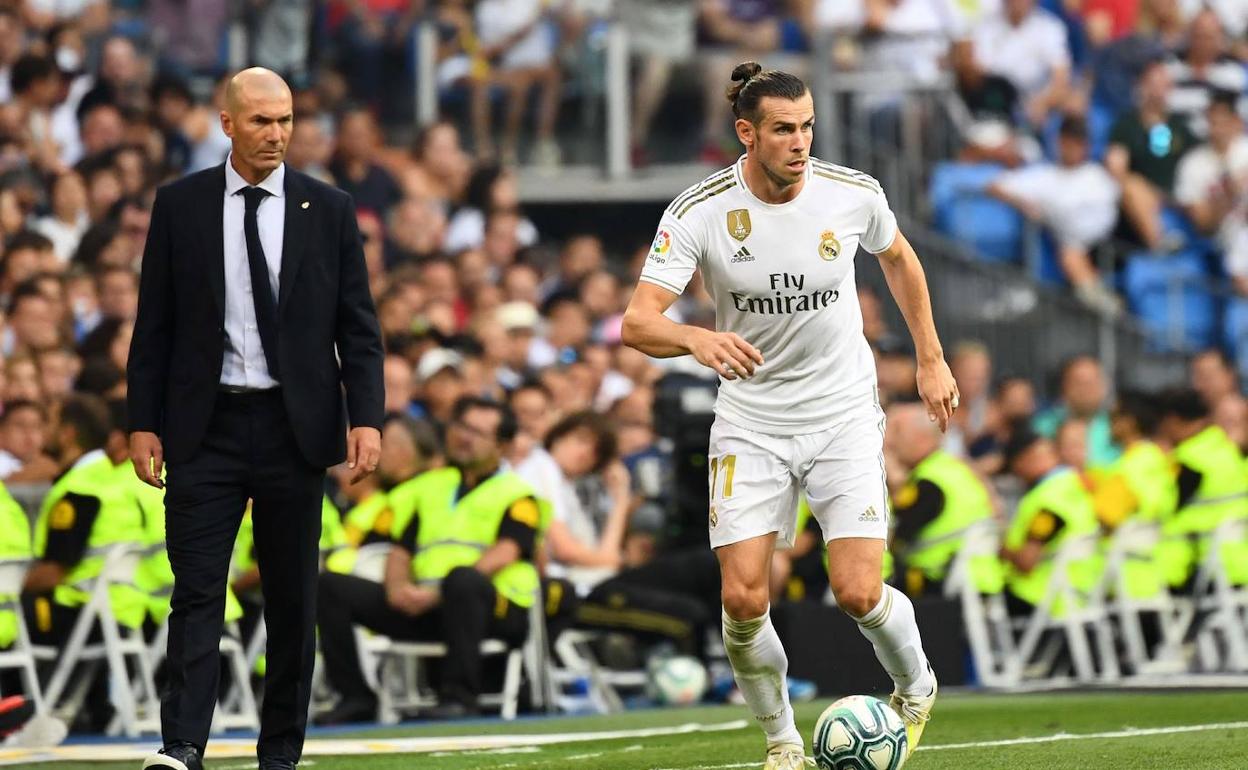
(1130, 732)
(240, 749)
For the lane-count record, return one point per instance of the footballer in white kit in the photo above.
(775, 236)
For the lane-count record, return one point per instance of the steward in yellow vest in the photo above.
(1056, 508)
(461, 570)
(1212, 488)
(939, 500)
(408, 448)
(15, 543)
(1139, 485)
(82, 517)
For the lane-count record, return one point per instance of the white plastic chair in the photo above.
(1224, 603)
(985, 617)
(138, 705)
(20, 654)
(1080, 612)
(402, 689)
(1137, 540)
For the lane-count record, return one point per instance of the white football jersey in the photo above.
(782, 277)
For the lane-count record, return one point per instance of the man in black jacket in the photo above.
(254, 315)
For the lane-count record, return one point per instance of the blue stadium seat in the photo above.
(965, 213)
(1170, 296)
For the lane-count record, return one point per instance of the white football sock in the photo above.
(892, 630)
(759, 666)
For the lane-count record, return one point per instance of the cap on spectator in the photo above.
(437, 359)
(516, 315)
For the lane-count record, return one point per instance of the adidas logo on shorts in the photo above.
(869, 514)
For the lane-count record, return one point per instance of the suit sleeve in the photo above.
(358, 335)
(148, 364)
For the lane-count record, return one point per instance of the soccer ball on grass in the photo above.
(859, 733)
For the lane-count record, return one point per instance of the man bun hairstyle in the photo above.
(750, 83)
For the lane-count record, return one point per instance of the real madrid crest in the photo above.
(739, 224)
(829, 246)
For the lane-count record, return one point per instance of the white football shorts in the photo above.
(755, 479)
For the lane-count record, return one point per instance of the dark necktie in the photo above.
(261, 289)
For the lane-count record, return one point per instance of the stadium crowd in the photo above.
(503, 347)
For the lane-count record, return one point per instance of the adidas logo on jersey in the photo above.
(869, 514)
(743, 255)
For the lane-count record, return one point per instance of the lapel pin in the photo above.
(304, 205)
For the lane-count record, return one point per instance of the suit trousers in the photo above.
(248, 452)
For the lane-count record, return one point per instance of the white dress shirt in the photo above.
(244, 364)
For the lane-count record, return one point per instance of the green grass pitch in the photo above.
(958, 719)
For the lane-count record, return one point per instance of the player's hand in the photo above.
(363, 452)
(148, 457)
(412, 600)
(938, 391)
(730, 356)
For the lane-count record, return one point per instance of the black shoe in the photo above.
(348, 711)
(15, 711)
(273, 763)
(452, 710)
(179, 756)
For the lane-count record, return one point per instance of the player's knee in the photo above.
(462, 583)
(744, 602)
(857, 599)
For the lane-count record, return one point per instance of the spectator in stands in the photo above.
(1026, 47)
(1071, 443)
(580, 549)
(514, 51)
(492, 189)
(1145, 146)
(32, 321)
(1212, 186)
(118, 292)
(1083, 395)
(12, 44)
(1211, 373)
(919, 38)
(661, 37)
(1231, 415)
(310, 149)
(1076, 201)
(67, 220)
(971, 365)
(373, 39)
(440, 377)
(355, 166)
(398, 376)
(438, 151)
(36, 86)
(435, 589)
(101, 128)
(171, 104)
(415, 230)
(1205, 67)
(23, 438)
(732, 30)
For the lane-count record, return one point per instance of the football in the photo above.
(859, 733)
(678, 681)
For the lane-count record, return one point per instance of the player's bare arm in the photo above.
(648, 330)
(908, 284)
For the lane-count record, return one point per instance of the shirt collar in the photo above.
(274, 184)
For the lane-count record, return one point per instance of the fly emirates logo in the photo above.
(787, 297)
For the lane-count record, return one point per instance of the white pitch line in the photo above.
(1130, 732)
